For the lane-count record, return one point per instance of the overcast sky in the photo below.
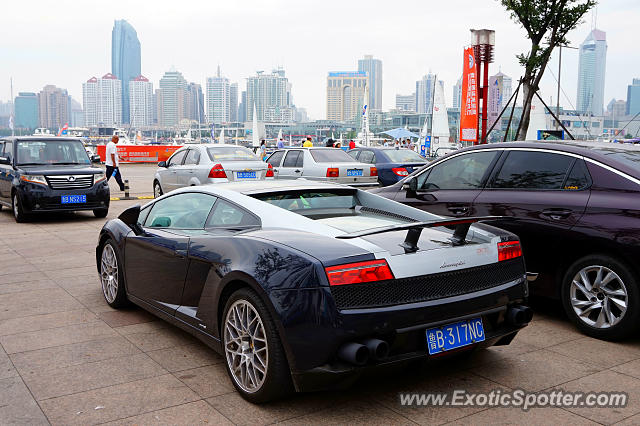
(66, 42)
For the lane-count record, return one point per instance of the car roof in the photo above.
(257, 187)
(215, 145)
(41, 138)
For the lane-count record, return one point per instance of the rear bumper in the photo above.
(36, 198)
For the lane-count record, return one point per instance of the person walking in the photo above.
(281, 143)
(263, 150)
(307, 143)
(112, 162)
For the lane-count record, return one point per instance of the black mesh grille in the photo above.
(426, 287)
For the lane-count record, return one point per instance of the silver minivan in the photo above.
(209, 163)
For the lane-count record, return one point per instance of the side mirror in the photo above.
(95, 158)
(5, 160)
(410, 185)
(130, 218)
(162, 164)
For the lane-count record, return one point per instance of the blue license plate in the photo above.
(73, 199)
(246, 175)
(456, 335)
(354, 172)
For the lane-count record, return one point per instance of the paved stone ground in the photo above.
(67, 358)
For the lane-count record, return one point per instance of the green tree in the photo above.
(546, 23)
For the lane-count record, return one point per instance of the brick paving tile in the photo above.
(185, 357)
(45, 321)
(208, 381)
(193, 413)
(17, 406)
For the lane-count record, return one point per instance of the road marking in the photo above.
(142, 197)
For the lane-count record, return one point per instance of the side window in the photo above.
(188, 210)
(193, 157)
(176, 160)
(276, 158)
(8, 149)
(300, 160)
(291, 159)
(579, 177)
(367, 157)
(462, 172)
(227, 215)
(354, 154)
(143, 215)
(2, 149)
(533, 170)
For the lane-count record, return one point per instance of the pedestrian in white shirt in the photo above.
(112, 162)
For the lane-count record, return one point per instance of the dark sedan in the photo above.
(301, 285)
(575, 206)
(393, 164)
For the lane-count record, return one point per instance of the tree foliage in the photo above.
(546, 23)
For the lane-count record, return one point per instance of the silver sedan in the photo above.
(322, 164)
(209, 163)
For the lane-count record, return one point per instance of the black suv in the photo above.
(50, 174)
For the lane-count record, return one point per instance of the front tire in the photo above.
(18, 214)
(111, 276)
(157, 189)
(254, 355)
(100, 213)
(601, 296)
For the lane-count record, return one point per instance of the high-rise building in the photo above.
(102, 101)
(271, 95)
(457, 94)
(195, 103)
(242, 107)
(633, 97)
(373, 68)
(233, 102)
(424, 94)
(172, 99)
(218, 99)
(499, 94)
(26, 110)
(406, 102)
(140, 102)
(616, 109)
(125, 59)
(591, 71)
(54, 107)
(345, 94)
(77, 114)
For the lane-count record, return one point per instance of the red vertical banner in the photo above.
(469, 106)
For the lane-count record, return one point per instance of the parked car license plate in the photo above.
(456, 335)
(246, 175)
(73, 199)
(354, 172)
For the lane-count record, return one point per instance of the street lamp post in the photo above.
(483, 42)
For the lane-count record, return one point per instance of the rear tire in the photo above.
(601, 296)
(100, 213)
(157, 189)
(254, 356)
(18, 214)
(111, 276)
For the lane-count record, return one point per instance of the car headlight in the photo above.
(99, 177)
(34, 179)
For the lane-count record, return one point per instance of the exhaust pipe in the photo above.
(519, 315)
(354, 353)
(378, 349)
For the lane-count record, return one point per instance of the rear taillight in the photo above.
(400, 171)
(333, 172)
(217, 172)
(509, 250)
(361, 272)
(269, 171)
(373, 171)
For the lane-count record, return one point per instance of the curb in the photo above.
(142, 197)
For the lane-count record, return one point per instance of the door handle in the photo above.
(458, 210)
(181, 254)
(557, 214)
(296, 171)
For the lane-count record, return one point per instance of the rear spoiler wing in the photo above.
(410, 244)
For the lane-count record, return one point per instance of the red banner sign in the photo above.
(141, 153)
(469, 106)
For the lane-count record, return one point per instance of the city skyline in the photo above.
(70, 54)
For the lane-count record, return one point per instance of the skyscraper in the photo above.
(406, 102)
(140, 102)
(218, 98)
(271, 94)
(242, 107)
(195, 103)
(457, 94)
(26, 109)
(54, 107)
(424, 94)
(373, 68)
(171, 99)
(591, 71)
(633, 97)
(345, 94)
(125, 59)
(499, 94)
(102, 101)
(233, 102)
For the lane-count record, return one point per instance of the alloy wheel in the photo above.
(157, 191)
(109, 273)
(245, 346)
(598, 296)
(16, 212)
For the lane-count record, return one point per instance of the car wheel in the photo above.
(18, 214)
(601, 296)
(157, 189)
(100, 212)
(111, 276)
(253, 352)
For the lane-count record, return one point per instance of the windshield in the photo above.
(298, 201)
(231, 154)
(51, 152)
(403, 156)
(331, 155)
